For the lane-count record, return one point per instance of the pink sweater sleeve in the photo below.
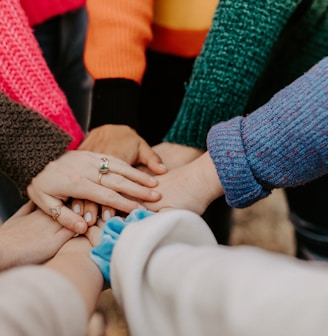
(24, 74)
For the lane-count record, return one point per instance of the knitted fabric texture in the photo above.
(303, 43)
(282, 144)
(24, 75)
(130, 28)
(233, 57)
(27, 141)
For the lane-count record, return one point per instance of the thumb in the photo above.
(151, 160)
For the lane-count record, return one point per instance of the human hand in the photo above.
(90, 210)
(124, 143)
(174, 155)
(30, 237)
(75, 175)
(192, 187)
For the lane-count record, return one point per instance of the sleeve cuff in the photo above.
(226, 149)
(28, 142)
(115, 101)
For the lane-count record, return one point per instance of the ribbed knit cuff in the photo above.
(28, 142)
(282, 144)
(226, 149)
(233, 57)
(115, 101)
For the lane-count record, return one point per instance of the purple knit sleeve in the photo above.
(282, 144)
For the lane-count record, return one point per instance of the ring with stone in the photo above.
(56, 211)
(104, 166)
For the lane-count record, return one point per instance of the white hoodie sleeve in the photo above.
(171, 278)
(37, 301)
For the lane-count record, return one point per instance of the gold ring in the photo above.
(103, 168)
(99, 178)
(56, 211)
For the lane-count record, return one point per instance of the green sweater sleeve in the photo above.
(234, 55)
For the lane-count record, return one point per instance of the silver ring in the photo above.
(56, 211)
(104, 166)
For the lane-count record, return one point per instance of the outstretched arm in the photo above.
(54, 299)
(233, 57)
(189, 285)
(282, 144)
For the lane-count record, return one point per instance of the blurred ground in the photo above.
(264, 224)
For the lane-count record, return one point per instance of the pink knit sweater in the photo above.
(39, 11)
(24, 74)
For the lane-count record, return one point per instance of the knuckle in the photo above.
(119, 180)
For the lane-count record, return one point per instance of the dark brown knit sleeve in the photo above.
(28, 142)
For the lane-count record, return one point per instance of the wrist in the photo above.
(7, 257)
(74, 263)
(211, 183)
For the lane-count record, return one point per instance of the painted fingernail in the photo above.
(107, 215)
(77, 208)
(88, 217)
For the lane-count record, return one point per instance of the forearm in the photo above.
(119, 31)
(282, 144)
(27, 141)
(189, 285)
(33, 84)
(27, 304)
(235, 53)
(132, 269)
(78, 268)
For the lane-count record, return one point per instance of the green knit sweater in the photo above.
(254, 48)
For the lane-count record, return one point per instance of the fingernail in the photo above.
(163, 166)
(88, 217)
(80, 227)
(77, 208)
(107, 215)
(155, 194)
(153, 179)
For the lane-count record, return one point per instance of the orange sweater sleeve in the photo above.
(118, 35)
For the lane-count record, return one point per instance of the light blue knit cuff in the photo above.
(102, 253)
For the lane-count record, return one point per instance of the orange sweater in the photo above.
(120, 32)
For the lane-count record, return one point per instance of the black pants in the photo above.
(309, 213)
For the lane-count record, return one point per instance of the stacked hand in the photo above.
(192, 186)
(124, 143)
(76, 175)
(30, 237)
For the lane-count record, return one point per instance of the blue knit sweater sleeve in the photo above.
(282, 144)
